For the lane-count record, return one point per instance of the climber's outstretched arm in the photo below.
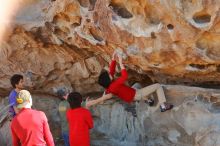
(98, 100)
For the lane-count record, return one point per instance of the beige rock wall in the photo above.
(194, 121)
(66, 43)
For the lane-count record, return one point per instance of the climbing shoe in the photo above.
(166, 107)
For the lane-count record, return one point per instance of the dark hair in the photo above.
(61, 92)
(15, 79)
(74, 99)
(104, 79)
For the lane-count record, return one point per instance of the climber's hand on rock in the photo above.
(121, 62)
(114, 56)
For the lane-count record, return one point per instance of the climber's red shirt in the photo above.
(118, 87)
(80, 121)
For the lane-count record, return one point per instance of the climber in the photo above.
(128, 94)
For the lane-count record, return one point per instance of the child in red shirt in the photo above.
(117, 87)
(80, 121)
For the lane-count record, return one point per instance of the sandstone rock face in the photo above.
(193, 122)
(65, 43)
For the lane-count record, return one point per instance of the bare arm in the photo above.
(120, 62)
(98, 100)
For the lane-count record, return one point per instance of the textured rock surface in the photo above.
(193, 122)
(68, 41)
(60, 44)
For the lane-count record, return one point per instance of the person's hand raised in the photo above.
(120, 59)
(88, 102)
(114, 55)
